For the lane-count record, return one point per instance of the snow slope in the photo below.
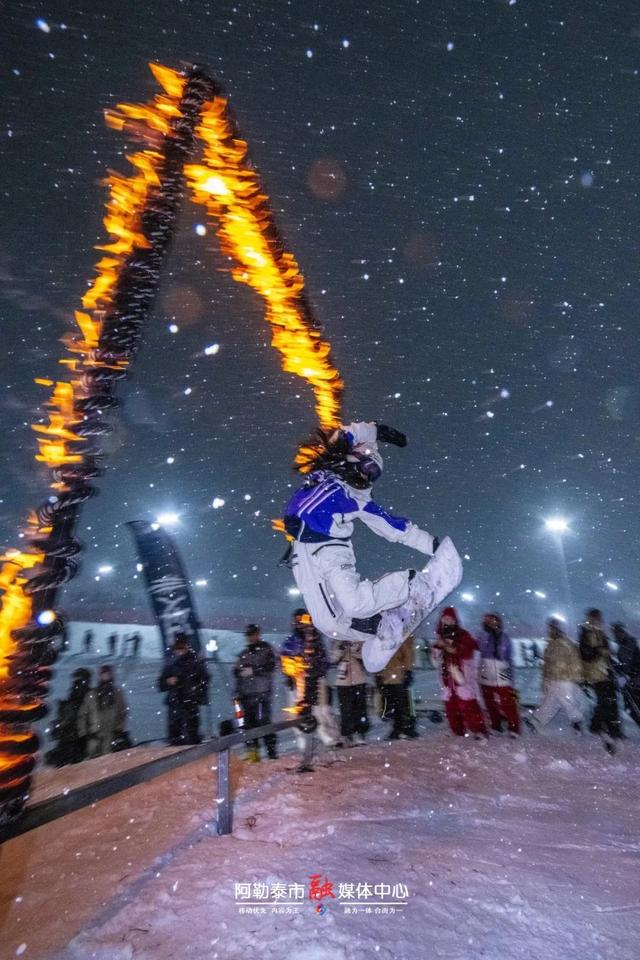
(508, 850)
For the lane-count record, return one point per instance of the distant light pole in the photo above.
(557, 526)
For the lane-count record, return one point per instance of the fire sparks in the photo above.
(229, 188)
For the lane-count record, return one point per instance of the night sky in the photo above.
(459, 183)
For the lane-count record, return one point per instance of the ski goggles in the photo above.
(367, 466)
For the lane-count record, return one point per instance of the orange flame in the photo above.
(57, 440)
(16, 604)
(229, 188)
(226, 184)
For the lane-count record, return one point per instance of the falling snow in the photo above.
(456, 185)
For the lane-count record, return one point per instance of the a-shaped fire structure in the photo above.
(189, 136)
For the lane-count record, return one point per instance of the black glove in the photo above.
(389, 435)
(408, 678)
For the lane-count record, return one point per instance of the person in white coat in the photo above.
(319, 518)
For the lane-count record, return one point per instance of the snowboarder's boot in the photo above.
(366, 624)
(252, 755)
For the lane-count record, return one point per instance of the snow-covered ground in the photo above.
(527, 849)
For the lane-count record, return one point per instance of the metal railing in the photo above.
(45, 811)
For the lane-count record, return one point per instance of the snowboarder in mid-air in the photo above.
(342, 468)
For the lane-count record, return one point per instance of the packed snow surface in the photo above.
(507, 849)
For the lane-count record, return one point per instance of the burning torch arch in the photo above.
(191, 142)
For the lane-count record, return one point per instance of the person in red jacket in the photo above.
(458, 654)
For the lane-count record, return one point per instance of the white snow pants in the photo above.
(560, 695)
(326, 575)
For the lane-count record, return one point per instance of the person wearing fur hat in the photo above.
(458, 655)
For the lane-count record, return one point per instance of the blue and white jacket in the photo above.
(326, 508)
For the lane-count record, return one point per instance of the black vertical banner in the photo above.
(167, 584)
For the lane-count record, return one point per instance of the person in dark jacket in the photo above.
(103, 715)
(254, 678)
(72, 744)
(305, 664)
(597, 668)
(184, 680)
(112, 640)
(304, 660)
(628, 669)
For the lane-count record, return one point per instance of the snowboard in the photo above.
(427, 590)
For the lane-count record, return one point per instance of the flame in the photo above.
(294, 667)
(16, 604)
(58, 442)
(229, 188)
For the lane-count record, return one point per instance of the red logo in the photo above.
(318, 890)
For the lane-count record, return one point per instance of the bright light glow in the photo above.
(211, 350)
(540, 594)
(217, 503)
(611, 585)
(201, 583)
(558, 616)
(168, 519)
(212, 646)
(467, 597)
(201, 230)
(173, 328)
(215, 185)
(294, 592)
(46, 617)
(556, 524)
(105, 568)
(139, 567)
